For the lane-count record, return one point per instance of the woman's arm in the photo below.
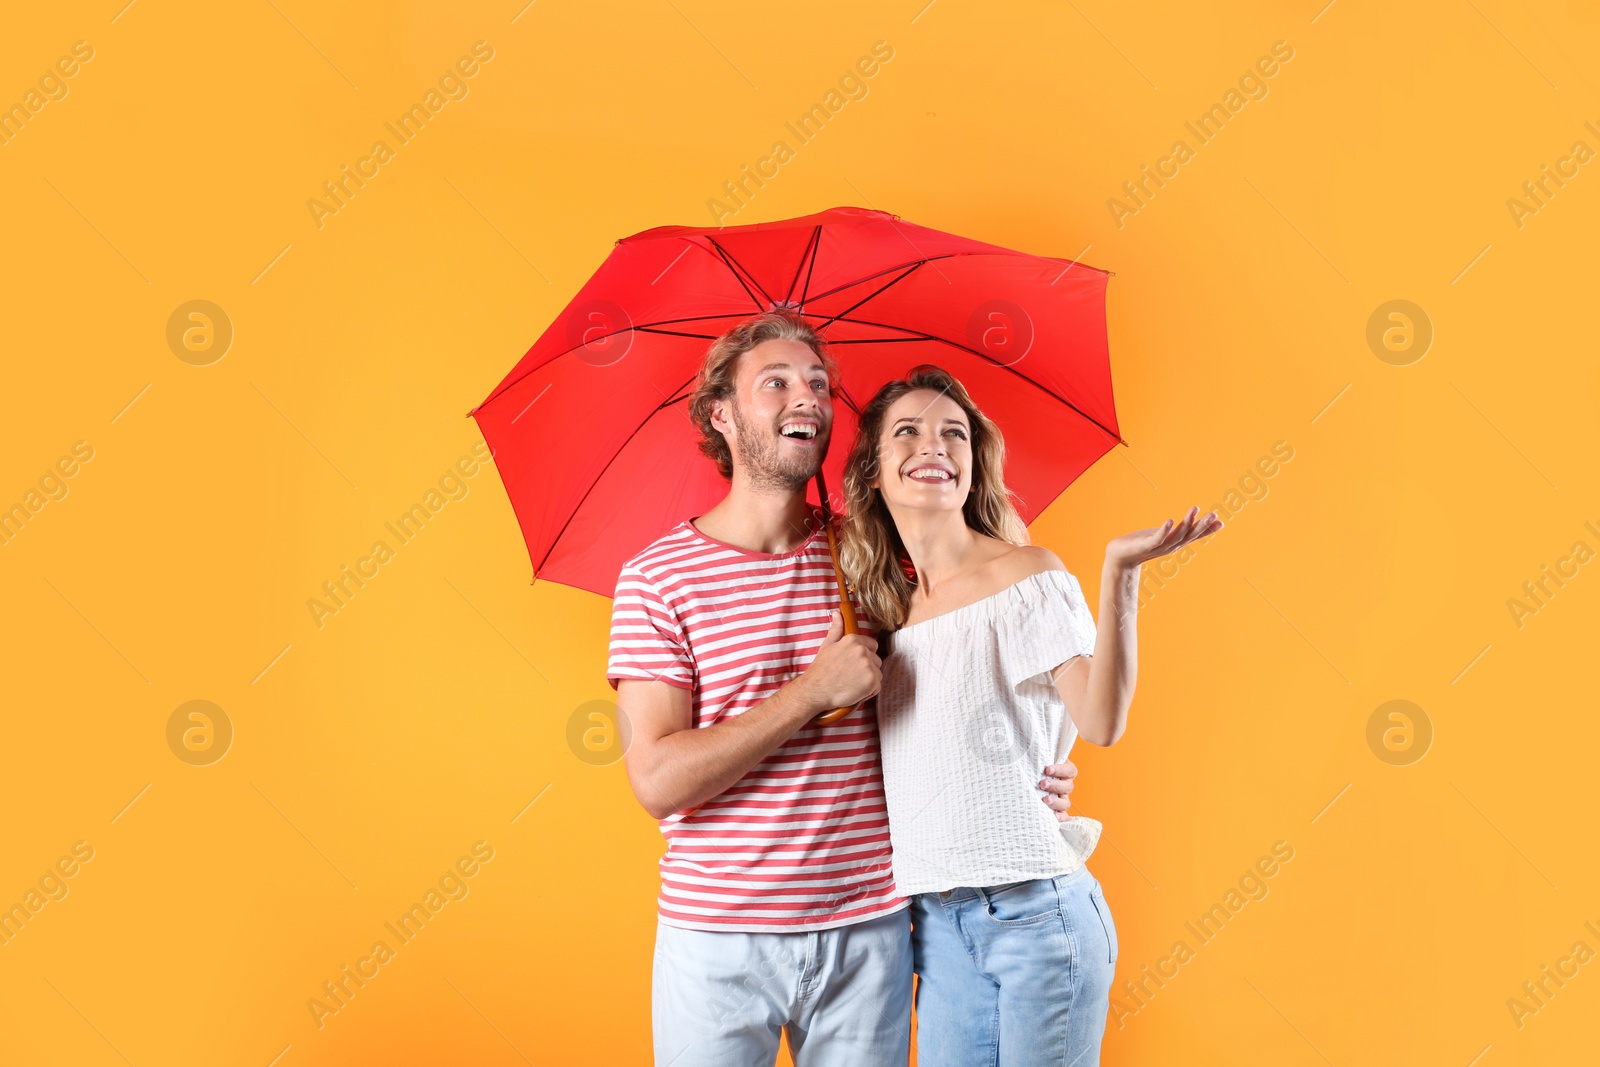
(1098, 689)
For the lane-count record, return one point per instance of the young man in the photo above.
(777, 910)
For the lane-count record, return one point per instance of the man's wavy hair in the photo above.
(871, 554)
(720, 371)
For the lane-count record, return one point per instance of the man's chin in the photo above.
(808, 468)
(803, 454)
(797, 479)
(795, 476)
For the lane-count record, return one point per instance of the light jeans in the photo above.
(1015, 975)
(721, 998)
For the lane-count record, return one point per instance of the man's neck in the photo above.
(767, 520)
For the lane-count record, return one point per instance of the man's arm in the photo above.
(672, 766)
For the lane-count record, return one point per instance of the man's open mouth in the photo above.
(799, 431)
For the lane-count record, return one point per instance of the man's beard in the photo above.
(765, 462)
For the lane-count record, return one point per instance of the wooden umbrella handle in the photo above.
(847, 614)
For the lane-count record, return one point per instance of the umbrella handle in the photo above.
(846, 613)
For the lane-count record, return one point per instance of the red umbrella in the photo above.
(590, 432)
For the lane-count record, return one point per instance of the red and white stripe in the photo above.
(801, 842)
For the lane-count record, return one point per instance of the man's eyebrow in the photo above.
(785, 366)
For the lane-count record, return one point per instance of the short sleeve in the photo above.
(648, 642)
(1050, 625)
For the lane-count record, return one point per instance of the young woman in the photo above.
(992, 667)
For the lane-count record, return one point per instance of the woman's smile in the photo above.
(931, 473)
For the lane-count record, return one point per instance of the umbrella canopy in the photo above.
(590, 430)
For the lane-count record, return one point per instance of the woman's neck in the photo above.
(941, 545)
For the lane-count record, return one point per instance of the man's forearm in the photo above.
(688, 767)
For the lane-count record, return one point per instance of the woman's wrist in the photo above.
(1116, 567)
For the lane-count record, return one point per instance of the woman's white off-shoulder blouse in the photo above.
(969, 718)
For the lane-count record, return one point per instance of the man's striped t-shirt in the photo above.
(801, 842)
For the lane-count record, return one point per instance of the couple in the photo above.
(783, 906)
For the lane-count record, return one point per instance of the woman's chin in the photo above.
(925, 499)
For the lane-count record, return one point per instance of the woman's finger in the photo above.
(1204, 527)
(1168, 544)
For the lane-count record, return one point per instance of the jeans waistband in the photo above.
(960, 893)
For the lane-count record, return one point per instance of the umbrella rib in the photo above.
(893, 281)
(918, 335)
(930, 259)
(808, 259)
(597, 480)
(739, 273)
(675, 333)
(645, 327)
(689, 318)
(879, 274)
(875, 340)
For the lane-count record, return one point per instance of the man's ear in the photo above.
(719, 418)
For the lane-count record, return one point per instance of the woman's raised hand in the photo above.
(1141, 546)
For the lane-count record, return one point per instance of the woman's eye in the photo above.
(898, 429)
(959, 434)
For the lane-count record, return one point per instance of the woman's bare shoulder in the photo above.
(1024, 561)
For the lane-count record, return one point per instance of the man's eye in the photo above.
(771, 380)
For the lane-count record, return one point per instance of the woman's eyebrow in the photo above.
(918, 418)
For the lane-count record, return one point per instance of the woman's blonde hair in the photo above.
(871, 554)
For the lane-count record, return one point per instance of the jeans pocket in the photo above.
(1102, 909)
(1023, 903)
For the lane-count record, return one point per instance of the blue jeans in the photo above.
(843, 996)
(1013, 975)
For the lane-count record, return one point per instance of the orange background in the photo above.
(370, 753)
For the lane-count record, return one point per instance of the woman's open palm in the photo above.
(1141, 546)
